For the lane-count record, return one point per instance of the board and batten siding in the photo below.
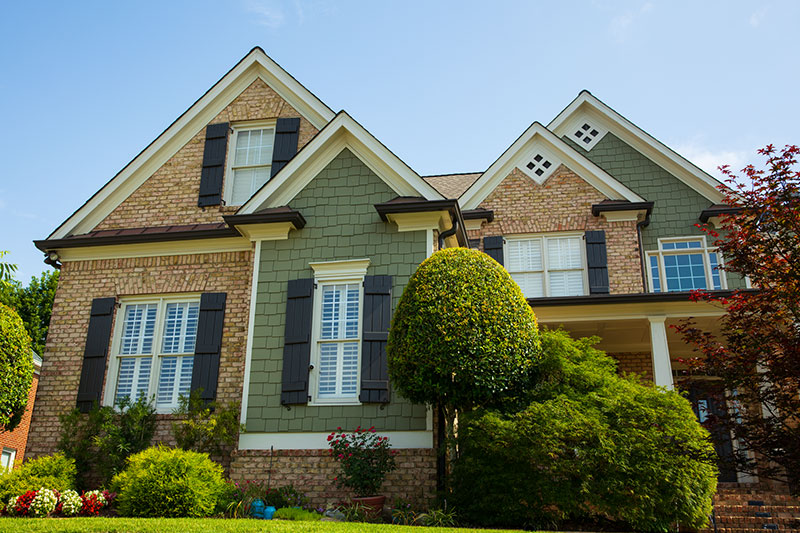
(677, 206)
(342, 223)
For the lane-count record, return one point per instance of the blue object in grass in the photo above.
(268, 512)
(257, 510)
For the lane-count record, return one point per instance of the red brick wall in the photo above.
(81, 281)
(169, 196)
(638, 362)
(18, 439)
(563, 203)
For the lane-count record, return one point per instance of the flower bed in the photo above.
(49, 502)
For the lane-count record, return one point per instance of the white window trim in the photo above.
(705, 250)
(545, 271)
(335, 273)
(227, 181)
(13, 457)
(109, 393)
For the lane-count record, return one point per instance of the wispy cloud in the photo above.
(622, 23)
(757, 17)
(267, 13)
(709, 160)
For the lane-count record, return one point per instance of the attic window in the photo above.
(587, 134)
(539, 164)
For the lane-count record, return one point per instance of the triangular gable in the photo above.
(340, 133)
(587, 105)
(538, 139)
(256, 64)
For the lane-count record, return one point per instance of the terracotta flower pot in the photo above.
(373, 504)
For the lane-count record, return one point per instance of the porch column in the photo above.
(662, 367)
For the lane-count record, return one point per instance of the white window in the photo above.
(547, 265)
(153, 350)
(336, 349)
(7, 463)
(249, 162)
(684, 264)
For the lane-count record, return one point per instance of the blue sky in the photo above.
(447, 86)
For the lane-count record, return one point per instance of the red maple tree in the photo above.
(756, 353)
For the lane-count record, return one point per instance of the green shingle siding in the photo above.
(677, 206)
(342, 223)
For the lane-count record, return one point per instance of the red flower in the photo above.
(330, 437)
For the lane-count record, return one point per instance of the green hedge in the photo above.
(16, 368)
(165, 482)
(590, 447)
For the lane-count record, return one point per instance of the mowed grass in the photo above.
(206, 525)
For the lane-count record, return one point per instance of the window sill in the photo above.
(335, 403)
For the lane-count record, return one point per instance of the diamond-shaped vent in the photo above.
(539, 165)
(587, 134)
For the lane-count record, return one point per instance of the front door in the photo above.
(708, 403)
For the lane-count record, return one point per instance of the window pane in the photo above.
(524, 255)
(715, 274)
(242, 185)
(328, 353)
(331, 302)
(340, 312)
(180, 327)
(254, 147)
(563, 253)
(349, 369)
(566, 283)
(138, 328)
(175, 378)
(684, 272)
(134, 377)
(352, 314)
(531, 284)
(654, 273)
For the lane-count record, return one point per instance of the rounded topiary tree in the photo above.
(16, 368)
(463, 334)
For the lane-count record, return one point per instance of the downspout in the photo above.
(639, 225)
(448, 233)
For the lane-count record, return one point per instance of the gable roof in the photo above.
(452, 185)
(340, 133)
(255, 65)
(646, 144)
(575, 161)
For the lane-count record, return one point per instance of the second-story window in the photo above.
(684, 264)
(250, 163)
(547, 265)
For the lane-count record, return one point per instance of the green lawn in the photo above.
(204, 525)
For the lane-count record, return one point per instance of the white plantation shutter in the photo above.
(558, 258)
(134, 377)
(525, 255)
(180, 334)
(565, 266)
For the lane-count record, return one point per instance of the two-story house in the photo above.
(257, 247)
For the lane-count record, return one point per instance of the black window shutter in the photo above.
(493, 247)
(213, 164)
(297, 341)
(287, 132)
(95, 353)
(597, 262)
(374, 335)
(207, 348)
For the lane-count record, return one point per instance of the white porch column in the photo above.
(662, 367)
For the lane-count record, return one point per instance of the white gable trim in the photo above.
(640, 140)
(255, 65)
(342, 132)
(535, 135)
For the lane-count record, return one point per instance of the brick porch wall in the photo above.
(639, 362)
(17, 439)
(563, 203)
(82, 281)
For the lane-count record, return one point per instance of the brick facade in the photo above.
(563, 203)
(638, 362)
(313, 471)
(18, 439)
(169, 196)
(81, 281)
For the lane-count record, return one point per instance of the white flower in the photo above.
(44, 502)
(71, 503)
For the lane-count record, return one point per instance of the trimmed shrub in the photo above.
(167, 482)
(590, 447)
(16, 368)
(54, 472)
(463, 334)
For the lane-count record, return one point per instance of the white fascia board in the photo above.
(576, 162)
(342, 132)
(256, 65)
(644, 143)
